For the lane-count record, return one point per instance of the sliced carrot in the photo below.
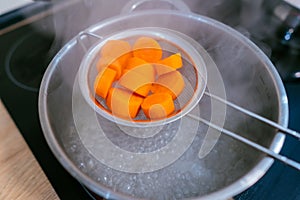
(134, 62)
(127, 76)
(147, 49)
(158, 106)
(103, 81)
(172, 83)
(145, 70)
(123, 103)
(173, 61)
(138, 79)
(104, 62)
(144, 89)
(117, 49)
(168, 64)
(161, 69)
(125, 71)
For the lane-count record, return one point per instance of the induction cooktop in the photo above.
(28, 42)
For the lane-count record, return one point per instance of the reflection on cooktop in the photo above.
(27, 60)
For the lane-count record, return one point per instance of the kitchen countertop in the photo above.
(21, 177)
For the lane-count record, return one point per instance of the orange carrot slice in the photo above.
(161, 69)
(172, 83)
(103, 81)
(168, 64)
(158, 106)
(117, 49)
(111, 63)
(144, 89)
(123, 103)
(138, 79)
(147, 49)
(173, 61)
(134, 62)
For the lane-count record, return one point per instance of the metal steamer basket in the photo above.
(235, 89)
(194, 72)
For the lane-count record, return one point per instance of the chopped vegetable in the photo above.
(147, 49)
(173, 61)
(158, 106)
(144, 89)
(123, 103)
(138, 79)
(111, 63)
(134, 62)
(161, 69)
(116, 49)
(168, 64)
(171, 83)
(103, 81)
(127, 76)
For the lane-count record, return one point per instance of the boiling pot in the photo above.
(180, 159)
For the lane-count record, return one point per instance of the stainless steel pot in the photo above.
(236, 70)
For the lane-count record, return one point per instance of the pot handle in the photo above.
(134, 4)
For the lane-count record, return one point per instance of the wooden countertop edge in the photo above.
(21, 177)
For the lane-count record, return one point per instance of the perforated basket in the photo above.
(193, 73)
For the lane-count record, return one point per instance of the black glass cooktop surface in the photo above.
(25, 54)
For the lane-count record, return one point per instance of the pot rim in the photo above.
(229, 191)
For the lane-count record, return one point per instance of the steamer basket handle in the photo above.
(134, 4)
(83, 35)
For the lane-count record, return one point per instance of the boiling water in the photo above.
(184, 178)
(187, 176)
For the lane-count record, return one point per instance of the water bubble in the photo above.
(90, 164)
(73, 148)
